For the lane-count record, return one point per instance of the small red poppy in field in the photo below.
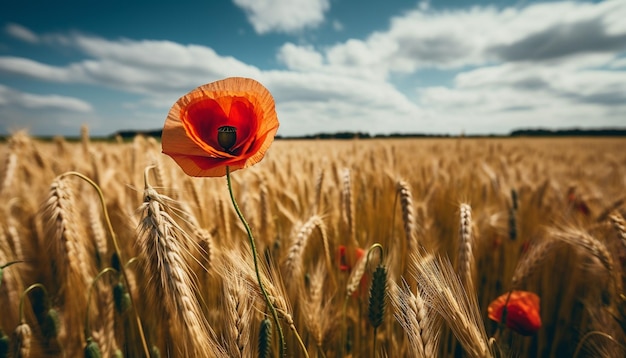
(576, 202)
(522, 311)
(343, 259)
(346, 263)
(231, 122)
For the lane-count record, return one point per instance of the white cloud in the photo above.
(299, 57)
(536, 65)
(33, 69)
(12, 97)
(315, 102)
(21, 33)
(319, 87)
(489, 99)
(286, 16)
(144, 67)
(477, 36)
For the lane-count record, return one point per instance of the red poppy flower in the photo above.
(344, 265)
(231, 123)
(522, 312)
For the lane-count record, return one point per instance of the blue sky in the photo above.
(332, 65)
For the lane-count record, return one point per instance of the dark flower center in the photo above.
(227, 137)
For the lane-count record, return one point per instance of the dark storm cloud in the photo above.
(562, 40)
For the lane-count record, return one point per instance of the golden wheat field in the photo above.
(369, 248)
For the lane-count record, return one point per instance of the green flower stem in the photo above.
(5, 266)
(255, 255)
(118, 252)
(93, 284)
(26, 291)
(371, 249)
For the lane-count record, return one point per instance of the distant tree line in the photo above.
(538, 132)
(574, 132)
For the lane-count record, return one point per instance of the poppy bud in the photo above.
(51, 324)
(92, 350)
(227, 137)
(121, 297)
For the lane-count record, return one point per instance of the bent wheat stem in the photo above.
(118, 252)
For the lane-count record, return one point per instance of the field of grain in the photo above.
(163, 264)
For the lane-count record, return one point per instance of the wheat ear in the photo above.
(317, 200)
(419, 323)
(355, 276)
(97, 231)
(165, 249)
(531, 261)
(9, 173)
(68, 264)
(293, 261)
(466, 242)
(348, 205)
(22, 340)
(593, 247)
(238, 309)
(445, 293)
(316, 309)
(408, 216)
(620, 226)
(274, 288)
